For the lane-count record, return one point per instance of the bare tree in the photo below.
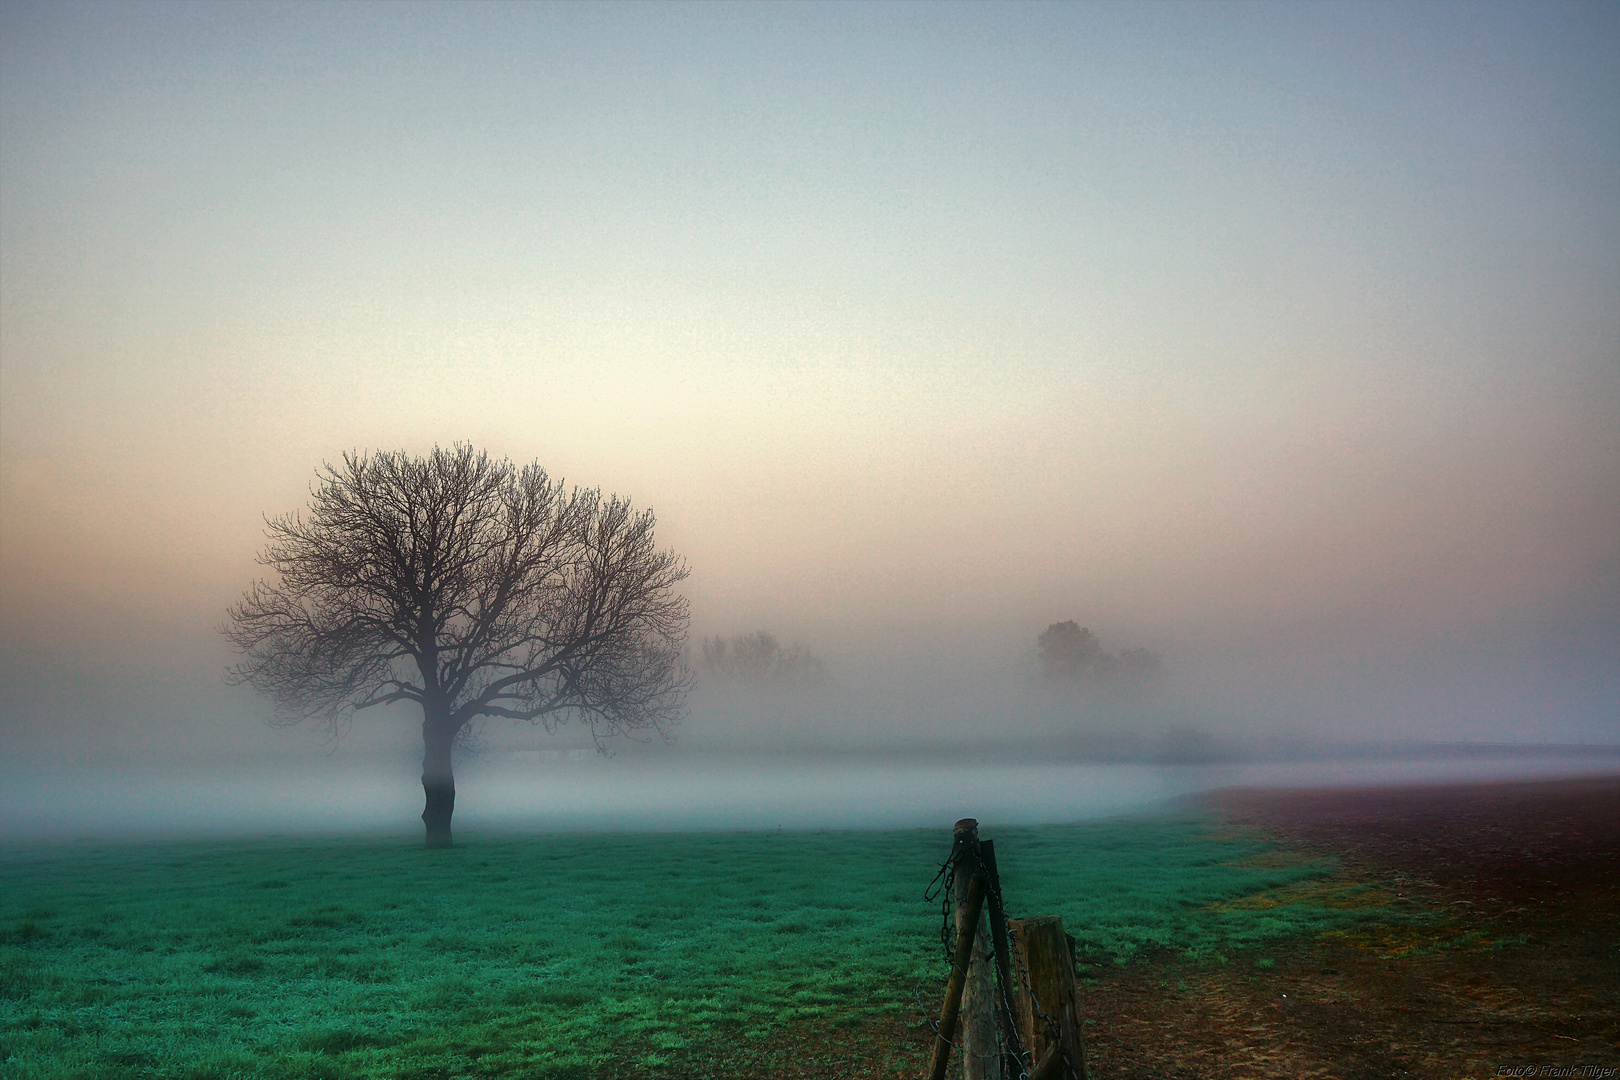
(473, 588)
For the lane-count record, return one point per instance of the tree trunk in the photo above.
(438, 781)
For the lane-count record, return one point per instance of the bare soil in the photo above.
(1511, 967)
(1515, 970)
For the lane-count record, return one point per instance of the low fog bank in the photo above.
(1173, 748)
(912, 684)
(850, 749)
(575, 788)
(991, 699)
(887, 729)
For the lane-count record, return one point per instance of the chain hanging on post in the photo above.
(998, 1041)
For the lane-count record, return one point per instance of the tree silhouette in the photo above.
(1071, 653)
(759, 660)
(473, 588)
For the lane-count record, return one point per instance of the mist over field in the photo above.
(1276, 342)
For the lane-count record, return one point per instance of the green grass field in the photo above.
(555, 955)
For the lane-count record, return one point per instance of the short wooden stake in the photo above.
(1050, 1065)
(1048, 964)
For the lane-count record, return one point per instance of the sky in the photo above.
(1280, 339)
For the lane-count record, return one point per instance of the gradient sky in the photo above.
(1282, 339)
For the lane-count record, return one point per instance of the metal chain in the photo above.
(1053, 1028)
(941, 886)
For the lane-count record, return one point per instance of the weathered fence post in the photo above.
(980, 1049)
(1049, 1002)
(1006, 999)
(953, 988)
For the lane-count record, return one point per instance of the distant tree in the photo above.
(759, 660)
(473, 588)
(1071, 653)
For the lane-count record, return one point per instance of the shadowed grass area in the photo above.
(539, 956)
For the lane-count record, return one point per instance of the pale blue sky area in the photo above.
(1284, 339)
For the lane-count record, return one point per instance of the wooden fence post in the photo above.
(980, 1049)
(1051, 995)
(953, 989)
(1007, 1012)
